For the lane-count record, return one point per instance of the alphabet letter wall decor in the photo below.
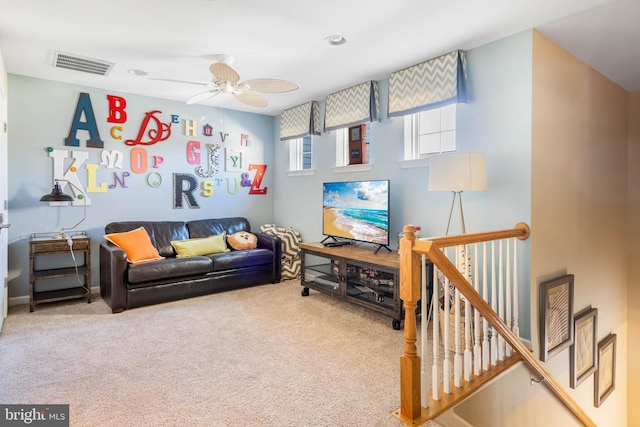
(149, 161)
(139, 160)
(184, 185)
(156, 134)
(154, 179)
(69, 174)
(193, 157)
(190, 128)
(111, 159)
(117, 114)
(233, 160)
(117, 180)
(257, 180)
(92, 179)
(213, 162)
(90, 125)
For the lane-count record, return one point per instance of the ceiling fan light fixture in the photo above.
(224, 58)
(335, 40)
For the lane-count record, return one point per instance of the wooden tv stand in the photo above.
(355, 273)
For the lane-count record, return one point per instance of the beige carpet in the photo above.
(262, 356)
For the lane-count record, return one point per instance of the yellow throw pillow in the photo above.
(136, 243)
(201, 246)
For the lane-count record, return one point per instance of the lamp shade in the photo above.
(458, 172)
(56, 195)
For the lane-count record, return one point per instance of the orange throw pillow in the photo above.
(136, 243)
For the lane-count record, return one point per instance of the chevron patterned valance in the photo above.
(353, 106)
(431, 84)
(300, 121)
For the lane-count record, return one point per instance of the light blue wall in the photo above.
(40, 116)
(497, 121)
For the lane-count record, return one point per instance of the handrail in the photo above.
(521, 231)
(410, 251)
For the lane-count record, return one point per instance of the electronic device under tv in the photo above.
(356, 210)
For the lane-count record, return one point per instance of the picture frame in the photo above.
(605, 375)
(556, 316)
(584, 349)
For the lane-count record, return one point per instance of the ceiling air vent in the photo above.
(78, 63)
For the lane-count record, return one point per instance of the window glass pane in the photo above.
(306, 152)
(429, 121)
(293, 154)
(429, 143)
(306, 162)
(448, 120)
(448, 141)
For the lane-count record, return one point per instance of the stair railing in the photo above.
(479, 352)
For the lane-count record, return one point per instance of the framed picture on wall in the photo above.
(605, 376)
(556, 316)
(583, 350)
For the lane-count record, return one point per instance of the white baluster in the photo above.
(446, 365)
(485, 325)
(467, 318)
(509, 302)
(516, 301)
(494, 297)
(457, 357)
(435, 315)
(501, 341)
(477, 355)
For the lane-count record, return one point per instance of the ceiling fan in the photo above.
(227, 80)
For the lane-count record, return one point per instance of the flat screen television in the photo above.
(357, 210)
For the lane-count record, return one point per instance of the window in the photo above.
(300, 154)
(429, 132)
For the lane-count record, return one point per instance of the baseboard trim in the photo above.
(24, 299)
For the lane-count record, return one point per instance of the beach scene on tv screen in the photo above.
(357, 210)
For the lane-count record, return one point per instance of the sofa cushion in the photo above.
(201, 246)
(240, 259)
(207, 227)
(168, 268)
(160, 232)
(136, 243)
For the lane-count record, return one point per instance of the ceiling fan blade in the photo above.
(199, 97)
(251, 98)
(222, 71)
(271, 85)
(181, 81)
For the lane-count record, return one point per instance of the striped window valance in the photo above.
(431, 84)
(300, 121)
(353, 106)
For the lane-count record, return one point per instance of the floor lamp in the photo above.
(57, 195)
(457, 172)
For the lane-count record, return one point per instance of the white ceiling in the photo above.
(284, 39)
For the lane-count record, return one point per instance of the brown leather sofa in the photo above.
(124, 285)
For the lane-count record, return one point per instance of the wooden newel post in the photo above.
(410, 294)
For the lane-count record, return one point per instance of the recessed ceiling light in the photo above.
(137, 72)
(335, 40)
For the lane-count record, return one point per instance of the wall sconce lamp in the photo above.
(457, 172)
(57, 195)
